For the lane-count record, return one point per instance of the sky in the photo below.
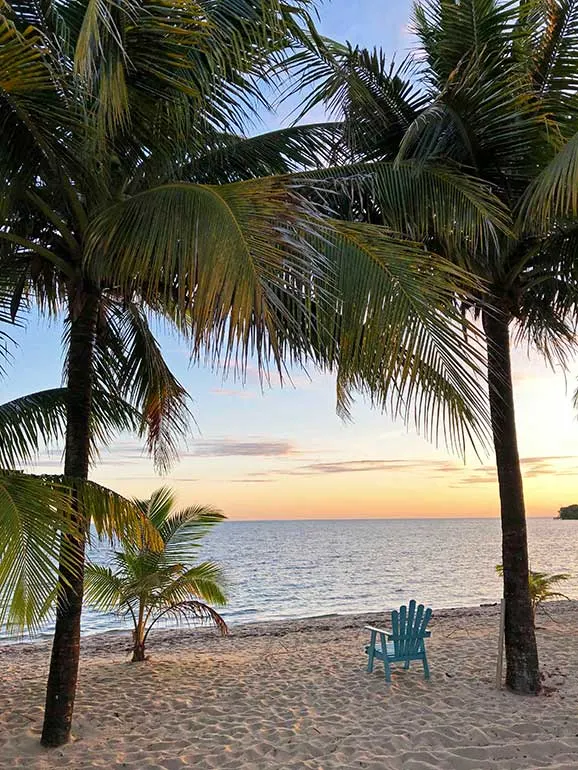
(271, 452)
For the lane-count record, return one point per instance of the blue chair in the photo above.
(404, 643)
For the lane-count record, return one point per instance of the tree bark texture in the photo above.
(522, 670)
(62, 678)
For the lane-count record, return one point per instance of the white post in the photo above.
(501, 645)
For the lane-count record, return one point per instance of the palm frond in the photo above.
(400, 339)
(191, 610)
(129, 363)
(418, 201)
(555, 54)
(450, 33)
(376, 100)
(159, 507)
(37, 421)
(103, 590)
(30, 423)
(552, 195)
(221, 254)
(547, 306)
(235, 158)
(204, 580)
(34, 513)
(113, 516)
(35, 114)
(182, 531)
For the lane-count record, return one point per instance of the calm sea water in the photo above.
(289, 569)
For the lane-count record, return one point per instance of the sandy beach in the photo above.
(295, 695)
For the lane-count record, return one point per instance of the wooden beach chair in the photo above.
(404, 643)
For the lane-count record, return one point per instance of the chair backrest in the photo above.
(408, 625)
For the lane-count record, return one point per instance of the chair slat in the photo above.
(409, 631)
(395, 627)
(416, 631)
(402, 630)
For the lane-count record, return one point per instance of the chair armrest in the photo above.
(379, 630)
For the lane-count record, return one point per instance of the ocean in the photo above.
(277, 570)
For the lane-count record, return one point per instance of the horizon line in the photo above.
(388, 518)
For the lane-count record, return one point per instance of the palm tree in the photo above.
(130, 194)
(491, 97)
(149, 585)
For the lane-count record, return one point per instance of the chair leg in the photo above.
(371, 652)
(406, 665)
(387, 668)
(425, 668)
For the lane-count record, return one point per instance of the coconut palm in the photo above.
(491, 96)
(130, 193)
(150, 585)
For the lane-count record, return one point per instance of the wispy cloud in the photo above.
(365, 466)
(237, 448)
(250, 481)
(360, 466)
(532, 467)
(463, 475)
(131, 454)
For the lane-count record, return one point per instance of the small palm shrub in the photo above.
(541, 585)
(147, 585)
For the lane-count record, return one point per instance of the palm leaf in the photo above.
(220, 253)
(34, 512)
(376, 100)
(556, 56)
(235, 158)
(103, 590)
(38, 420)
(418, 200)
(400, 339)
(113, 516)
(204, 580)
(29, 423)
(553, 194)
(129, 363)
(191, 610)
(180, 530)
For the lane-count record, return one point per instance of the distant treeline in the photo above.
(569, 512)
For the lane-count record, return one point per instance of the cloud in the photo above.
(250, 481)
(364, 466)
(134, 457)
(532, 467)
(462, 475)
(361, 466)
(234, 448)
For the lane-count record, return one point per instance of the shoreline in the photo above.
(166, 635)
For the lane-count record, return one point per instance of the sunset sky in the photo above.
(283, 453)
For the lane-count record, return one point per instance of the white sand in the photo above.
(295, 695)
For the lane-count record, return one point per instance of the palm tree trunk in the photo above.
(138, 650)
(61, 688)
(522, 673)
